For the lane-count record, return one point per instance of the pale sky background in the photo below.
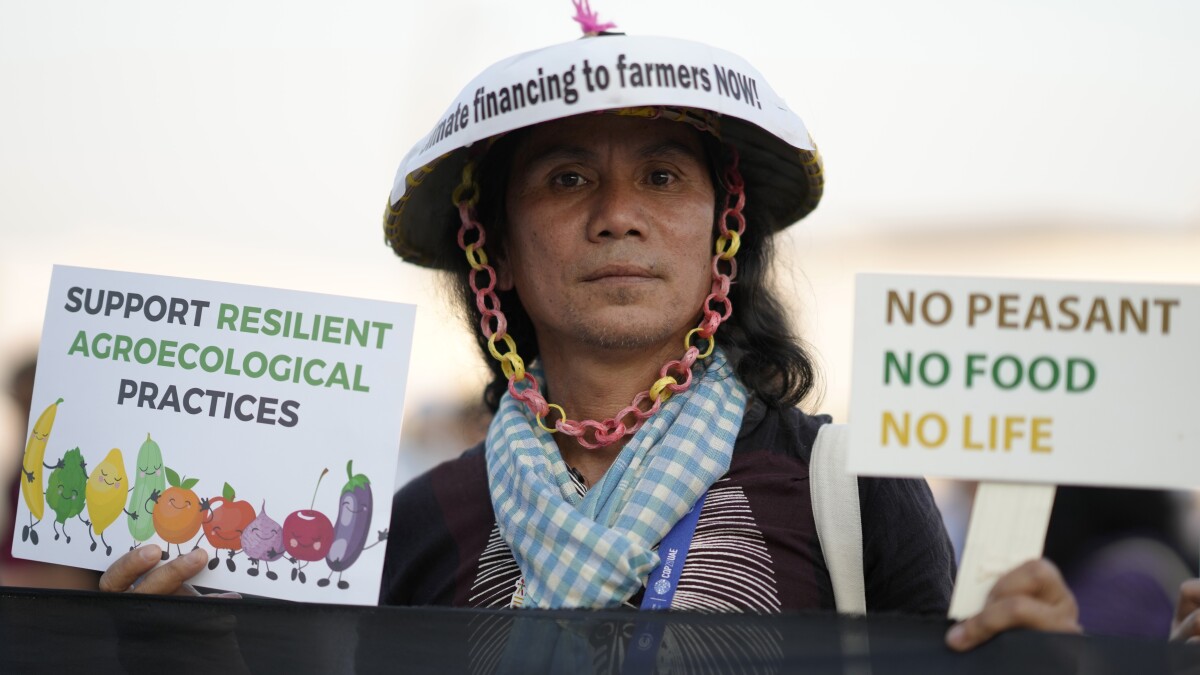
(255, 142)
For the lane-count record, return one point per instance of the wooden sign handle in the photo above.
(1008, 526)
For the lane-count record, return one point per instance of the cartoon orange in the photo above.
(178, 511)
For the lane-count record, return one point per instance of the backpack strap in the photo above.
(838, 517)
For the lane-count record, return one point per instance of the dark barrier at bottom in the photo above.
(71, 632)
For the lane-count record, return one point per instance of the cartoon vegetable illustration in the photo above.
(31, 469)
(106, 490)
(148, 479)
(65, 492)
(177, 512)
(223, 526)
(262, 540)
(353, 524)
(307, 534)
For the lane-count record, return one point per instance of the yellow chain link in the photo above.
(508, 342)
(728, 240)
(562, 415)
(468, 182)
(687, 343)
(659, 391)
(476, 256)
(513, 366)
(457, 196)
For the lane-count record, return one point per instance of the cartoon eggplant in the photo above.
(355, 508)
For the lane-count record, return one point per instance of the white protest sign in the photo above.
(181, 412)
(587, 75)
(1024, 380)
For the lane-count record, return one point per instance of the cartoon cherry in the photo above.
(307, 535)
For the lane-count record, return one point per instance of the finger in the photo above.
(1020, 611)
(170, 578)
(1037, 578)
(1187, 629)
(1189, 599)
(119, 576)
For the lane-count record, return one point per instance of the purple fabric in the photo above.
(1122, 591)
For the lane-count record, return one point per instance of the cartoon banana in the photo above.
(31, 464)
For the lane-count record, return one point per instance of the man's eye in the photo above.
(660, 177)
(569, 179)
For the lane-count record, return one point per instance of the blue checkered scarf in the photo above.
(597, 550)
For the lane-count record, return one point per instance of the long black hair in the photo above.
(757, 338)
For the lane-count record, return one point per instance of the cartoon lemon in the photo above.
(105, 494)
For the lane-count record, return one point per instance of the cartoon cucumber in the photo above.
(148, 479)
(353, 524)
(31, 469)
(66, 490)
(106, 490)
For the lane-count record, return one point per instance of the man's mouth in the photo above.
(620, 273)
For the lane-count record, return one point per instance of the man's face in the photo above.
(609, 231)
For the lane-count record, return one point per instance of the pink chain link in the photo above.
(674, 377)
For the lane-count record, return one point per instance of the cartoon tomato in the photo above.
(223, 526)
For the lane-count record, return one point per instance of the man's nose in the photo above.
(617, 212)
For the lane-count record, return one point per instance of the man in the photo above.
(612, 251)
(612, 235)
(605, 247)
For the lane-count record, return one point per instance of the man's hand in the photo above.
(1186, 625)
(1033, 595)
(126, 573)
